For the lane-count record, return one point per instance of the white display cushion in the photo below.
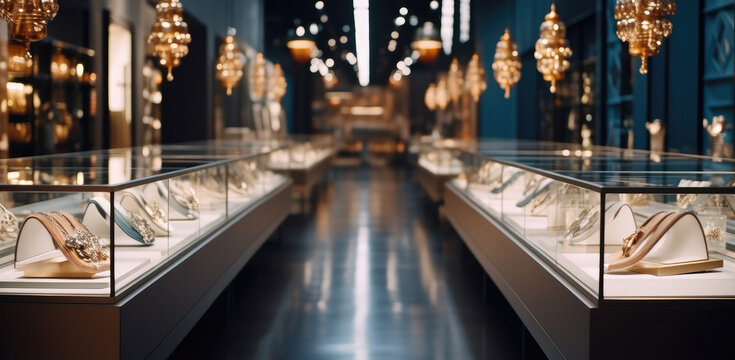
(617, 227)
(586, 268)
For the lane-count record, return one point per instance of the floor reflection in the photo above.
(369, 275)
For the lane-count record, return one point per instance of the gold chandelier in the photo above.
(278, 84)
(230, 65)
(170, 36)
(27, 19)
(259, 79)
(552, 49)
(644, 25)
(507, 66)
(430, 97)
(454, 81)
(476, 82)
(442, 93)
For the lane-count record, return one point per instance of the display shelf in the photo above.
(548, 221)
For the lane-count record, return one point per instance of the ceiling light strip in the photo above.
(362, 40)
(447, 29)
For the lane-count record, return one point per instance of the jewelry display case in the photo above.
(438, 162)
(305, 159)
(597, 230)
(121, 232)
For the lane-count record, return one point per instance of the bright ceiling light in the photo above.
(464, 21)
(332, 43)
(362, 40)
(324, 18)
(319, 5)
(408, 60)
(447, 28)
(394, 35)
(351, 59)
(400, 21)
(314, 29)
(329, 62)
(392, 45)
(403, 11)
(343, 39)
(434, 5)
(300, 31)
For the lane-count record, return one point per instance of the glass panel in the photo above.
(677, 248)
(49, 246)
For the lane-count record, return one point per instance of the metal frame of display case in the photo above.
(132, 324)
(568, 321)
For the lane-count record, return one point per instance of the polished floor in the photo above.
(369, 273)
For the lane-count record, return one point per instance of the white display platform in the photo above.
(453, 169)
(13, 282)
(713, 283)
(287, 164)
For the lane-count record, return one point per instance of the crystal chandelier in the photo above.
(27, 19)
(231, 62)
(476, 82)
(644, 25)
(278, 84)
(430, 97)
(552, 49)
(170, 36)
(454, 81)
(259, 78)
(507, 66)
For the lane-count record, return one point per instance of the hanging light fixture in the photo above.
(476, 82)
(552, 49)
(644, 25)
(442, 93)
(170, 36)
(300, 46)
(230, 64)
(507, 66)
(278, 84)
(454, 81)
(259, 78)
(430, 97)
(27, 20)
(427, 43)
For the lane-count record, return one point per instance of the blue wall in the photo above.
(692, 77)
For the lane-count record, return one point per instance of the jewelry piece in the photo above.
(517, 175)
(542, 188)
(8, 225)
(184, 195)
(85, 244)
(586, 221)
(713, 233)
(143, 227)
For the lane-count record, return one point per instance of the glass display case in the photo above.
(96, 224)
(302, 152)
(617, 224)
(442, 157)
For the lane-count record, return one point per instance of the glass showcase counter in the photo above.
(615, 228)
(131, 226)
